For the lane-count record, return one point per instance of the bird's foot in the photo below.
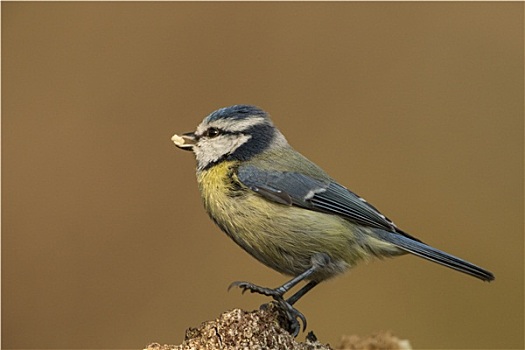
(291, 316)
(253, 288)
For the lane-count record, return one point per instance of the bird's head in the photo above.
(237, 132)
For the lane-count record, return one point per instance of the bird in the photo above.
(287, 212)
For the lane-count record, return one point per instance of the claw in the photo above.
(289, 317)
(235, 284)
(276, 293)
(292, 318)
(239, 284)
(300, 315)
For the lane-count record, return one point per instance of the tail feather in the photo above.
(420, 249)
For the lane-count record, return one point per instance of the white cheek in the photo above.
(236, 142)
(211, 150)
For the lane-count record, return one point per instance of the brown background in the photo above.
(416, 106)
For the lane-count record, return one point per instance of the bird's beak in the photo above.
(186, 141)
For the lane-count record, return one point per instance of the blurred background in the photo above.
(418, 107)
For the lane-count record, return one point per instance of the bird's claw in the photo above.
(291, 318)
(244, 286)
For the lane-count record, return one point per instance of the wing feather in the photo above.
(322, 195)
(325, 195)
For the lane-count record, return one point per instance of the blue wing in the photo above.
(324, 195)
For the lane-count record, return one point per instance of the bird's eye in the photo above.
(212, 132)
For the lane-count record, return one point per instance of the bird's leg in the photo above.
(292, 314)
(293, 299)
(276, 292)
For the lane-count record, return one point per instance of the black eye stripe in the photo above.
(214, 132)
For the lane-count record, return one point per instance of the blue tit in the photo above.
(286, 211)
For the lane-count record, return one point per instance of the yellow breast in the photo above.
(280, 236)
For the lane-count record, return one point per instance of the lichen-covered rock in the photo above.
(257, 330)
(238, 329)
